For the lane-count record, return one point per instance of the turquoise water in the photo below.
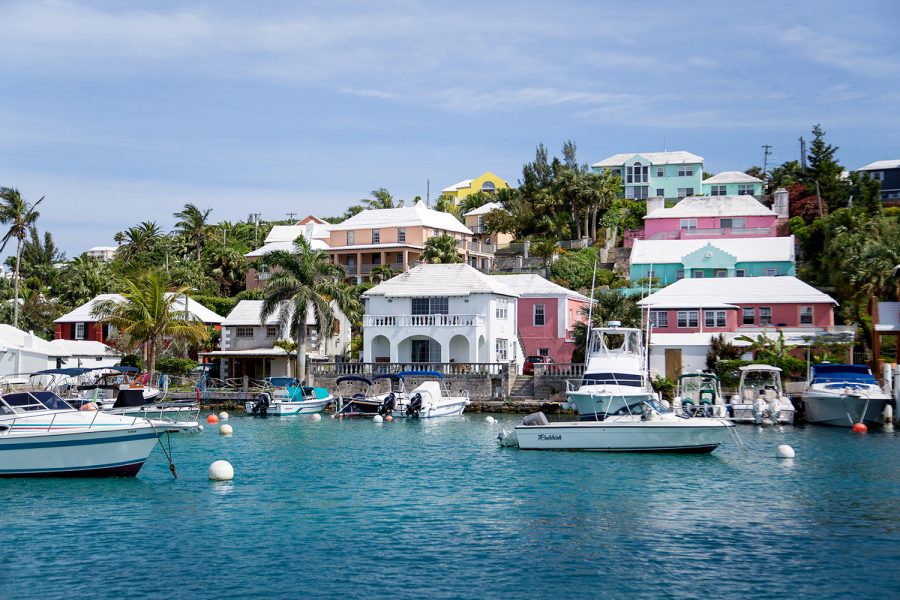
(435, 509)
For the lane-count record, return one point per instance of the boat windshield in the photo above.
(20, 402)
(615, 342)
(611, 379)
(637, 408)
(760, 383)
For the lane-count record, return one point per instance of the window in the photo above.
(697, 274)
(714, 318)
(688, 318)
(721, 273)
(688, 223)
(538, 315)
(748, 316)
(637, 174)
(543, 351)
(660, 192)
(718, 190)
(376, 236)
(878, 175)
(745, 189)
(430, 306)
(79, 331)
(770, 272)
(660, 171)
(271, 331)
(740, 273)
(423, 351)
(637, 192)
(682, 192)
(401, 234)
(806, 315)
(765, 315)
(243, 332)
(659, 318)
(488, 187)
(351, 238)
(502, 310)
(679, 274)
(685, 170)
(732, 223)
(501, 349)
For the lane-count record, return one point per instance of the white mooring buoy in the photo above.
(221, 470)
(225, 429)
(223, 416)
(784, 451)
(316, 417)
(489, 420)
(377, 419)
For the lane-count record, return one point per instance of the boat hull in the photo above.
(694, 436)
(450, 408)
(844, 410)
(286, 409)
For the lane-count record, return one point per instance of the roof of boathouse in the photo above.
(660, 252)
(530, 284)
(713, 206)
(457, 279)
(734, 291)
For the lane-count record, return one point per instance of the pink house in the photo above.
(547, 314)
(708, 217)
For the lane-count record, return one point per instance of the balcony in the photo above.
(423, 320)
(708, 232)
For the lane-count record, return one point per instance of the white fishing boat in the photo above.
(615, 374)
(760, 398)
(285, 396)
(644, 426)
(843, 395)
(42, 435)
(429, 399)
(699, 394)
(370, 401)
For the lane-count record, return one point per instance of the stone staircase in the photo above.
(523, 388)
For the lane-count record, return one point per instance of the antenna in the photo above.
(290, 215)
(428, 193)
(767, 152)
(587, 338)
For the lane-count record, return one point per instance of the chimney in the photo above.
(655, 203)
(781, 205)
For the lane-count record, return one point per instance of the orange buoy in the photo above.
(212, 419)
(389, 418)
(88, 406)
(860, 427)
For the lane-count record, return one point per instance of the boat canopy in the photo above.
(70, 372)
(703, 375)
(746, 368)
(403, 374)
(358, 378)
(841, 372)
(615, 341)
(283, 381)
(391, 376)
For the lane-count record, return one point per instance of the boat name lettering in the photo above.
(550, 436)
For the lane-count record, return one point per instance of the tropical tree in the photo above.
(84, 278)
(192, 225)
(304, 283)
(228, 267)
(40, 259)
(139, 241)
(381, 273)
(17, 214)
(147, 313)
(381, 198)
(442, 249)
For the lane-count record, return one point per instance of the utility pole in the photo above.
(255, 218)
(802, 153)
(767, 152)
(291, 215)
(428, 193)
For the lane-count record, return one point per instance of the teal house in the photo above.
(656, 174)
(733, 183)
(672, 260)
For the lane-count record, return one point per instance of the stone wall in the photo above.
(550, 380)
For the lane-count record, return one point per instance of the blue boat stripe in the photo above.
(67, 469)
(65, 443)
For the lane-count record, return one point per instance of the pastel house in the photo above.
(281, 237)
(491, 240)
(486, 183)
(671, 260)
(733, 183)
(655, 174)
(709, 217)
(547, 315)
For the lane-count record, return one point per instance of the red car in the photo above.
(530, 361)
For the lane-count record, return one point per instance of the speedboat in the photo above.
(368, 402)
(615, 374)
(760, 398)
(843, 395)
(643, 426)
(285, 396)
(42, 435)
(431, 398)
(106, 384)
(699, 394)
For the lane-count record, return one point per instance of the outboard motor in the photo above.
(262, 405)
(414, 406)
(387, 405)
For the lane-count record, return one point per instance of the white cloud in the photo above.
(855, 56)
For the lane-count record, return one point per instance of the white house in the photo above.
(22, 352)
(104, 253)
(439, 314)
(248, 347)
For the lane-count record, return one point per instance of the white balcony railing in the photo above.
(423, 320)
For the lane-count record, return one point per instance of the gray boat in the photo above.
(842, 395)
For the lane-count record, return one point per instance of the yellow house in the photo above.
(487, 182)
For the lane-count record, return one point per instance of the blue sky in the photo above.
(120, 112)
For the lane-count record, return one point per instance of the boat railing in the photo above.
(18, 418)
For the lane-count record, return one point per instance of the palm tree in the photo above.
(139, 240)
(381, 273)
(148, 313)
(442, 250)
(192, 225)
(381, 198)
(84, 278)
(304, 283)
(19, 215)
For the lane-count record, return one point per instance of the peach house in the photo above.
(547, 314)
(474, 220)
(708, 217)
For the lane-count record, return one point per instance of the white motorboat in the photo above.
(288, 396)
(760, 398)
(615, 374)
(842, 395)
(645, 426)
(431, 398)
(369, 402)
(42, 435)
(699, 394)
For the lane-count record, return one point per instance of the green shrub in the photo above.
(217, 304)
(132, 360)
(175, 366)
(664, 386)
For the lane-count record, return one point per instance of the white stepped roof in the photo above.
(82, 314)
(696, 293)
(16, 339)
(484, 209)
(460, 184)
(732, 177)
(247, 312)
(660, 252)
(531, 285)
(288, 246)
(679, 157)
(82, 348)
(407, 216)
(457, 279)
(289, 233)
(879, 165)
(713, 206)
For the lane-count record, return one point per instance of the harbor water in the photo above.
(436, 509)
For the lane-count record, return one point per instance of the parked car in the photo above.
(530, 361)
